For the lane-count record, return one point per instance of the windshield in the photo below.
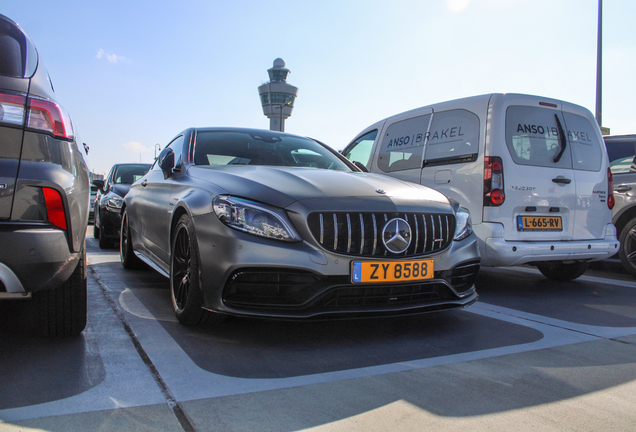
(263, 148)
(128, 174)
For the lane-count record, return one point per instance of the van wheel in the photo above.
(558, 270)
(62, 311)
(627, 251)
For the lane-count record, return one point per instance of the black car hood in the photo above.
(121, 189)
(281, 186)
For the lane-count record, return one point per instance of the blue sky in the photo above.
(133, 74)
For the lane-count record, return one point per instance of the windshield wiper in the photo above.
(562, 139)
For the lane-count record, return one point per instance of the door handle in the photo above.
(622, 188)
(561, 180)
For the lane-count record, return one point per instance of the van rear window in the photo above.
(551, 138)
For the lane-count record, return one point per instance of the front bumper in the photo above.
(242, 274)
(34, 258)
(109, 224)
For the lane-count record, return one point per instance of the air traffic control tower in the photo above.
(277, 97)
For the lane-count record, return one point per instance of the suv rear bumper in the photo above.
(37, 258)
(496, 251)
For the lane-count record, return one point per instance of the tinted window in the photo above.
(621, 155)
(533, 137)
(128, 174)
(583, 142)
(229, 147)
(18, 57)
(360, 149)
(453, 135)
(403, 144)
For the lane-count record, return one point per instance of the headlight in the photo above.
(114, 202)
(254, 218)
(464, 226)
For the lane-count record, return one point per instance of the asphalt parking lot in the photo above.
(531, 354)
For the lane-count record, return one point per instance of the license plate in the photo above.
(539, 223)
(391, 271)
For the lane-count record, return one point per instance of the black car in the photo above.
(107, 205)
(269, 224)
(44, 192)
(621, 150)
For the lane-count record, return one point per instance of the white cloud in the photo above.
(111, 58)
(136, 147)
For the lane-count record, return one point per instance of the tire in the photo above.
(62, 311)
(126, 254)
(185, 287)
(627, 251)
(104, 244)
(558, 270)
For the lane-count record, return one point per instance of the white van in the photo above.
(533, 172)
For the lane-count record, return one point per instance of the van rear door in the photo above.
(552, 173)
(538, 181)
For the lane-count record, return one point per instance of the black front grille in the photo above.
(360, 234)
(383, 295)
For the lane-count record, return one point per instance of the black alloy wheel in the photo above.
(126, 254)
(627, 251)
(185, 289)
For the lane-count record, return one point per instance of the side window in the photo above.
(533, 137)
(453, 137)
(622, 156)
(403, 145)
(360, 149)
(584, 144)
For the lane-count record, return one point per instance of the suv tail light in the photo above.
(54, 207)
(49, 117)
(41, 115)
(493, 182)
(12, 109)
(610, 190)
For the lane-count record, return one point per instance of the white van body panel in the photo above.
(574, 189)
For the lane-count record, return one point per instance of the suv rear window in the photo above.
(18, 57)
(533, 138)
(621, 153)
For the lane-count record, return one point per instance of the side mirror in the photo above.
(166, 162)
(99, 184)
(360, 166)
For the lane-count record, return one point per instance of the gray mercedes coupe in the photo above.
(252, 222)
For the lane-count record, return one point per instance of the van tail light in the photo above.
(49, 117)
(54, 207)
(610, 190)
(493, 182)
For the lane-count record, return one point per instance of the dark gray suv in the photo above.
(622, 150)
(44, 192)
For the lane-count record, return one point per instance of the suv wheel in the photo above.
(627, 251)
(558, 270)
(62, 311)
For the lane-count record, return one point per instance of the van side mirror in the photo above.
(360, 166)
(166, 162)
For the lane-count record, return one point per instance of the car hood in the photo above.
(121, 189)
(282, 186)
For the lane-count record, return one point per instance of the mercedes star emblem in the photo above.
(396, 235)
